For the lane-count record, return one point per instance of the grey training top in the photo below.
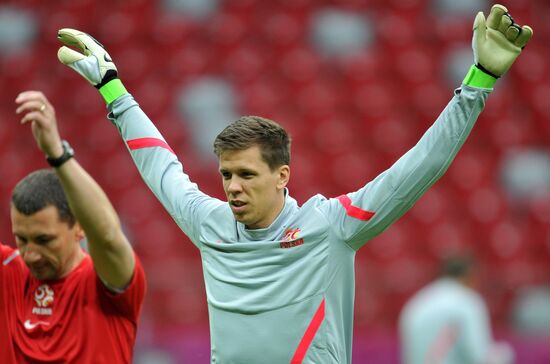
(285, 294)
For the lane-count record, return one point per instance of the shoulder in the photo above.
(5, 250)
(9, 256)
(316, 210)
(319, 205)
(219, 216)
(459, 295)
(314, 202)
(83, 270)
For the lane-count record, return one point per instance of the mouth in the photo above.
(237, 206)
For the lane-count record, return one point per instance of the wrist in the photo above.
(68, 153)
(56, 152)
(477, 77)
(112, 90)
(485, 70)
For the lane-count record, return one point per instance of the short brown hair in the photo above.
(248, 131)
(39, 190)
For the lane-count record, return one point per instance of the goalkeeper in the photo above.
(280, 277)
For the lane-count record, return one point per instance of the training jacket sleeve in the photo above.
(160, 168)
(361, 215)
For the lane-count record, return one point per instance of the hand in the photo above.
(498, 41)
(95, 65)
(41, 114)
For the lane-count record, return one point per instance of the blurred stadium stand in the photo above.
(357, 82)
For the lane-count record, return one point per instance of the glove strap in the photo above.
(478, 78)
(112, 90)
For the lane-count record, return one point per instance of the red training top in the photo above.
(72, 320)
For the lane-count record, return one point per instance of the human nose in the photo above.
(234, 185)
(30, 254)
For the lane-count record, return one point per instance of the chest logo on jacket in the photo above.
(291, 238)
(43, 297)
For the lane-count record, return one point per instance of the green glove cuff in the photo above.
(478, 78)
(112, 90)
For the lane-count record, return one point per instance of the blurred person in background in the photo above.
(57, 302)
(448, 322)
(280, 277)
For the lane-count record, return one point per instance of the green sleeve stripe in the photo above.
(478, 78)
(112, 90)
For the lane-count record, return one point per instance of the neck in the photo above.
(73, 262)
(279, 206)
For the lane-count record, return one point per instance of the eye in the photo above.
(43, 240)
(226, 175)
(20, 239)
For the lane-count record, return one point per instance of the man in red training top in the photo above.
(57, 302)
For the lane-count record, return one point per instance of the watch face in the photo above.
(67, 149)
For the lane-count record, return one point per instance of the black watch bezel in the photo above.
(68, 153)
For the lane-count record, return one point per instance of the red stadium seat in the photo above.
(192, 60)
(318, 100)
(426, 100)
(262, 96)
(395, 31)
(283, 31)
(507, 240)
(299, 65)
(374, 100)
(531, 68)
(361, 67)
(415, 64)
(226, 30)
(171, 31)
(486, 205)
(472, 168)
(449, 238)
(433, 207)
(244, 64)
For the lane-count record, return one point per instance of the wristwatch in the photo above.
(68, 153)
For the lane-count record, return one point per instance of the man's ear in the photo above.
(78, 232)
(284, 176)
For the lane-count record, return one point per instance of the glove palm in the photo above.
(94, 63)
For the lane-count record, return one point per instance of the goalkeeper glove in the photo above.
(496, 42)
(94, 63)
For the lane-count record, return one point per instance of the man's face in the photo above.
(253, 190)
(48, 246)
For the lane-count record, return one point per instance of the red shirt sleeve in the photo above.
(5, 252)
(6, 353)
(130, 301)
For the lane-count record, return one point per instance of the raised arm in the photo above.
(158, 165)
(109, 248)
(359, 216)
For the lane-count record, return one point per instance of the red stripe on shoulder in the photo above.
(354, 211)
(148, 143)
(311, 330)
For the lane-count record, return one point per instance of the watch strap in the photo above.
(68, 153)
